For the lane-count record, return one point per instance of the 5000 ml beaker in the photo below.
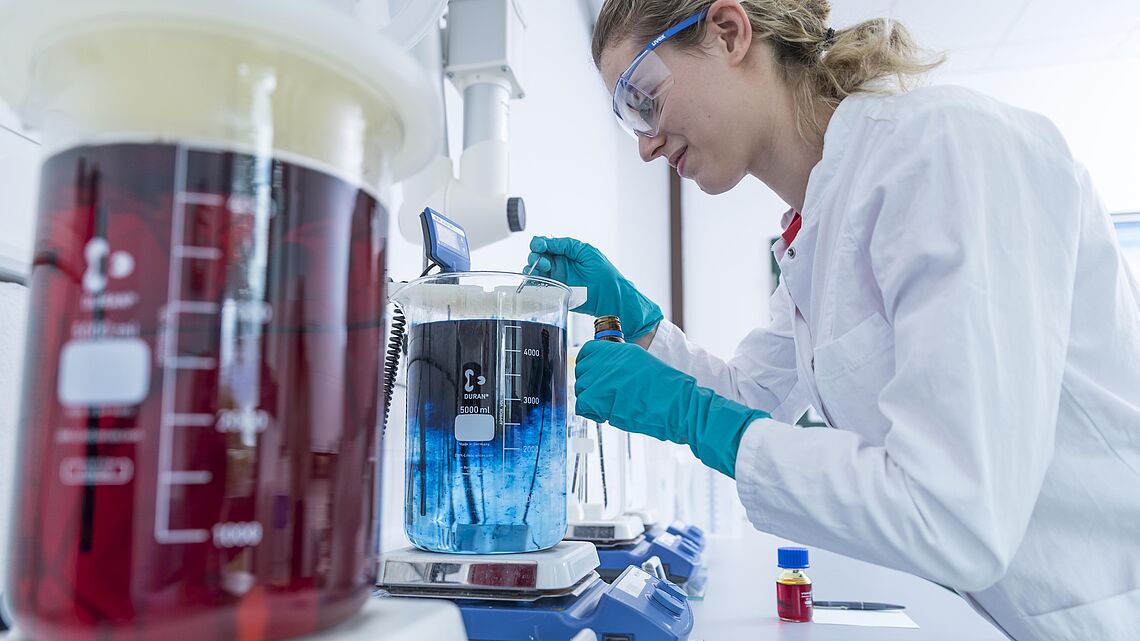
(486, 416)
(201, 392)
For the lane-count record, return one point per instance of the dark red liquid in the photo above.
(201, 399)
(793, 601)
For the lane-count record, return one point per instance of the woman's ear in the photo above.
(728, 30)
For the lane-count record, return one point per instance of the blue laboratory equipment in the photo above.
(545, 596)
(691, 533)
(680, 557)
(445, 242)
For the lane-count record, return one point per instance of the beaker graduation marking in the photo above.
(511, 337)
(171, 364)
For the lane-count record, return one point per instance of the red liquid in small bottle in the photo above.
(793, 601)
(201, 399)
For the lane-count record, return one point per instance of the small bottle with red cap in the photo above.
(793, 587)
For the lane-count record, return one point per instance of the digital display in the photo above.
(447, 236)
(1129, 233)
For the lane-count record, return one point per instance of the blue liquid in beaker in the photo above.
(486, 436)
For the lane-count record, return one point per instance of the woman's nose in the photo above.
(650, 147)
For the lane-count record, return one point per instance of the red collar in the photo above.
(793, 228)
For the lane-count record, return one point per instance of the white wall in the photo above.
(727, 272)
(19, 176)
(1096, 105)
(13, 311)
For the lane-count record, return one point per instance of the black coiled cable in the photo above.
(395, 351)
(392, 360)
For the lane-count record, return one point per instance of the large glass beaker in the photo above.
(486, 413)
(200, 409)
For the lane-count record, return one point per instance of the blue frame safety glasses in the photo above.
(639, 95)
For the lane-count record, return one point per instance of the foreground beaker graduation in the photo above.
(486, 415)
(201, 397)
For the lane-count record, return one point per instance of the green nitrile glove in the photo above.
(628, 387)
(608, 293)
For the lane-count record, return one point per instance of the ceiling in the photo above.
(985, 35)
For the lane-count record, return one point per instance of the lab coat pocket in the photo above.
(851, 370)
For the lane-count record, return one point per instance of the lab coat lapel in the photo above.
(796, 264)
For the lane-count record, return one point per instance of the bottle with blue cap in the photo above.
(608, 328)
(793, 587)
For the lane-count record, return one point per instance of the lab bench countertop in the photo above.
(740, 599)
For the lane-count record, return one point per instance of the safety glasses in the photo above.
(639, 95)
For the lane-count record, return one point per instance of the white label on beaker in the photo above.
(474, 427)
(106, 371)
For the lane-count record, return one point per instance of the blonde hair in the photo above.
(821, 66)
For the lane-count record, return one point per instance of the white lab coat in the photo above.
(956, 305)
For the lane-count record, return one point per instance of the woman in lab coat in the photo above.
(952, 300)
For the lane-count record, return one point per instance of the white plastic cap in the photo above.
(310, 28)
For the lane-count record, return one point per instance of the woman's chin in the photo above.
(713, 185)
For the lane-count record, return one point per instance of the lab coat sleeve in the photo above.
(973, 249)
(762, 374)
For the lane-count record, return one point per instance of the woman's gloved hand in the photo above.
(628, 387)
(608, 293)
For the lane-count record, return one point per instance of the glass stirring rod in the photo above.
(527, 273)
